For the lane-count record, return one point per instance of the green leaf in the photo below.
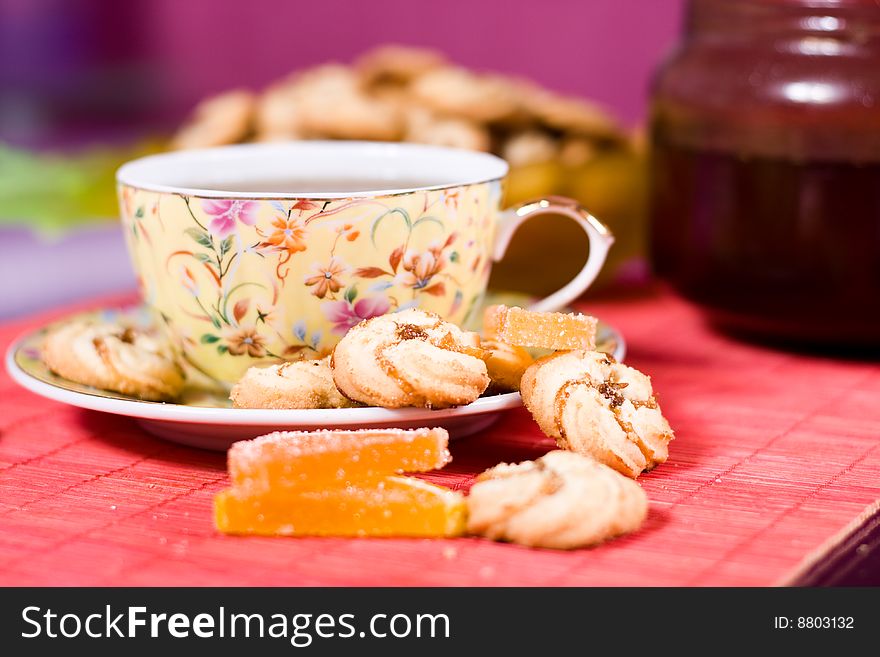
(403, 213)
(53, 192)
(208, 338)
(226, 245)
(139, 213)
(454, 257)
(433, 220)
(215, 321)
(202, 257)
(200, 236)
(222, 348)
(351, 294)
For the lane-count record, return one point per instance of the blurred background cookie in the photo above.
(217, 121)
(397, 64)
(556, 144)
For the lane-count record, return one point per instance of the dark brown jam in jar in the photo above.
(766, 167)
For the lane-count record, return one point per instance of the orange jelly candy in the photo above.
(525, 328)
(318, 459)
(506, 364)
(339, 483)
(387, 506)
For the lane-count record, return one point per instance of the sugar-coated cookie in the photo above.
(562, 500)
(297, 384)
(113, 357)
(597, 407)
(409, 358)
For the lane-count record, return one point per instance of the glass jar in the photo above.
(765, 167)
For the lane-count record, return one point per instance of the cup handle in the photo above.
(600, 237)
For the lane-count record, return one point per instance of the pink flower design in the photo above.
(346, 315)
(226, 212)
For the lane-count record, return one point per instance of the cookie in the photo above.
(409, 358)
(297, 384)
(278, 115)
(577, 151)
(113, 357)
(351, 116)
(397, 64)
(562, 500)
(424, 127)
(526, 328)
(332, 103)
(568, 114)
(597, 407)
(224, 119)
(529, 147)
(459, 93)
(506, 364)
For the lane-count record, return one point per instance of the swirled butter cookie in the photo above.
(595, 406)
(113, 357)
(562, 500)
(409, 358)
(298, 384)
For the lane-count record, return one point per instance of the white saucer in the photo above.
(206, 420)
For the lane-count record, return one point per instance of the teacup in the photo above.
(256, 253)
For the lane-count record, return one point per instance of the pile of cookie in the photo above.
(556, 144)
(402, 93)
(579, 396)
(602, 414)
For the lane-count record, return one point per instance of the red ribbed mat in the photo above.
(775, 454)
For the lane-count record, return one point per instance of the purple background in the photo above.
(78, 71)
(145, 60)
(603, 48)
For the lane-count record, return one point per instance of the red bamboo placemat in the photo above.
(775, 454)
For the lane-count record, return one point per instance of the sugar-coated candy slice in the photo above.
(525, 328)
(388, 506)
(334, 458)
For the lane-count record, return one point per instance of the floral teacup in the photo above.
(264, 252)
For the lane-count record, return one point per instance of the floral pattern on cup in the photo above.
(244, 281)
